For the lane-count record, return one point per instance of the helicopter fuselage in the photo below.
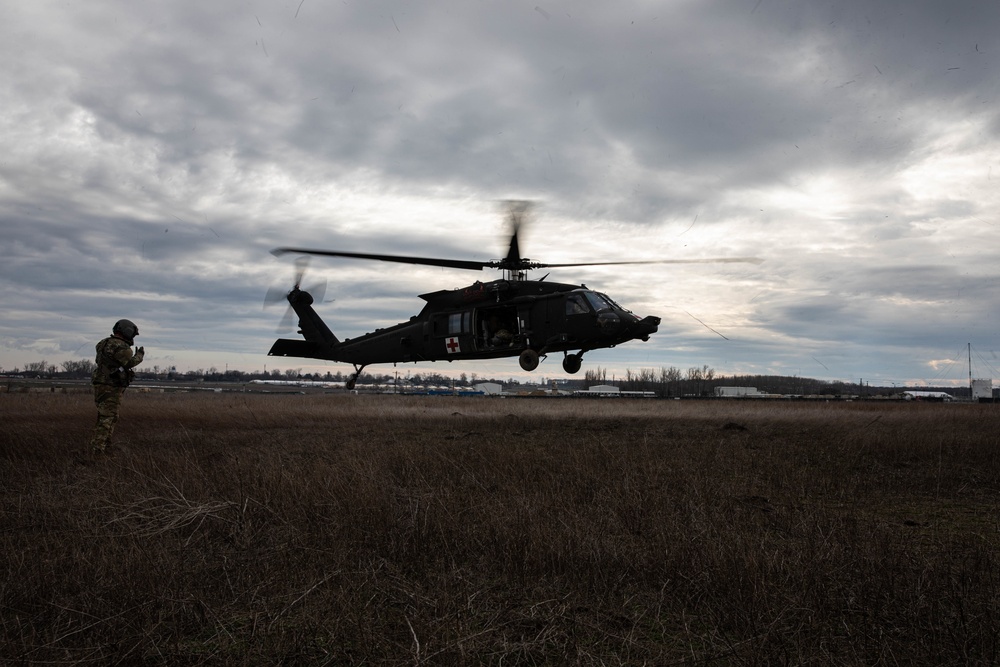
(502, 318)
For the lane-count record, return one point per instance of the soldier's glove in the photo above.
(141, 350)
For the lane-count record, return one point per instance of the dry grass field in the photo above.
(263, 529)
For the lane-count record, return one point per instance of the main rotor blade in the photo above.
(517, 213)
(426, 261)
(513, 257)
(707, 260)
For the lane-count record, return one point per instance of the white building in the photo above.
(736, 392)
(599, 390)
(927, 396)
(982, 389)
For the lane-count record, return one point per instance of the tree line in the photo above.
(84, 368)
(701, 381)
(669, 382)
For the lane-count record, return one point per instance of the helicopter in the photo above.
(508, 317)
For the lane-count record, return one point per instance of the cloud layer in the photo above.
(154, 152)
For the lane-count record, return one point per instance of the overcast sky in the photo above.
(152, 153)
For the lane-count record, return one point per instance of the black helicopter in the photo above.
(513, 316)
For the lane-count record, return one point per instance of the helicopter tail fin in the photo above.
(311, 325)
(319, 340)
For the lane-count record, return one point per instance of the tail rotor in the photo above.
(275, 295)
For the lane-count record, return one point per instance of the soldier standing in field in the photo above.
(115, 362)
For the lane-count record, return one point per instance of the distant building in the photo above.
(982, 389)
(489, 388)
(611, 391)
(927, 396)
(736, 392)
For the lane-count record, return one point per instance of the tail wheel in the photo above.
(528, 360)
(572, 363)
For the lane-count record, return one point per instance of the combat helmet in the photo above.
(126, 329)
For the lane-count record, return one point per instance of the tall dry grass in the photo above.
(248, 529)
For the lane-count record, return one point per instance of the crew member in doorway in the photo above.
(501, 334)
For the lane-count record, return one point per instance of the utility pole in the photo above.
(970, 370)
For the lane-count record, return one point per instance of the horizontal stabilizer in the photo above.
(284, 347)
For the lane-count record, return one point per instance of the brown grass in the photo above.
(249, 529)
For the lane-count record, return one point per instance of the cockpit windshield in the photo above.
(598, 301)
(615, 304)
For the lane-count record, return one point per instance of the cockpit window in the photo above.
(576, 305)
(598, 301)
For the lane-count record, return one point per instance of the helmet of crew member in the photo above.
(126, 329)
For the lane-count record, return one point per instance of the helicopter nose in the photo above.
(646, 326)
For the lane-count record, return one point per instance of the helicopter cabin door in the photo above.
(498, 328)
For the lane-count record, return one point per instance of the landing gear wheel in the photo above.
(572, 363)
(528, 360)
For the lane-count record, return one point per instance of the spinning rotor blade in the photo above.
(517, 212)
(317, 291)
(274, 295)
(301, 264)
(707, 260)
(287, 323)
(278, 294)
(514, 264)
(426, 261)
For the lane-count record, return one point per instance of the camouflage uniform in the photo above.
(114, 371)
